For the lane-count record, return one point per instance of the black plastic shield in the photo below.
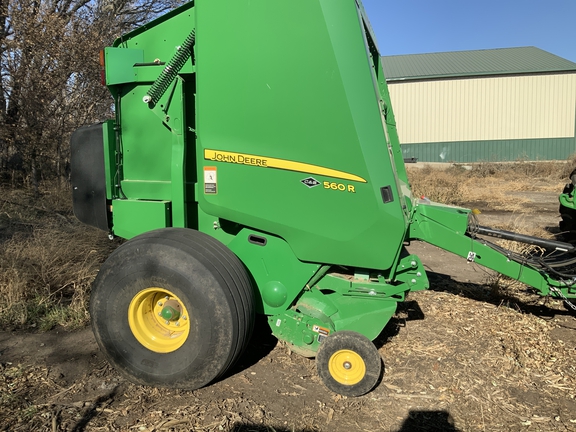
(88, 176)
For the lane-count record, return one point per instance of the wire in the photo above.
(554, 263)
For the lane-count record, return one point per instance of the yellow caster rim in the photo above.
(159, 320)
(347, 367)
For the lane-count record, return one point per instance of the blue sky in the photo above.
(425, 26)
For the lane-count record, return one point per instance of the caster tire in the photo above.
(348, 363)
(172, 308)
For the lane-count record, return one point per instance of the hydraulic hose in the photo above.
(560, 263)
(508, 235)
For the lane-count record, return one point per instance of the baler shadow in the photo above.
(428, 421)
(250, 427)
(406, 311)
(488, 293)
(260, 345)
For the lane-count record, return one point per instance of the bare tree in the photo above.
(50, 75)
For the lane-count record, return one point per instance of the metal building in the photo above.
(488, 105)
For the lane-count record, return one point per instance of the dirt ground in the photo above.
(463, 356)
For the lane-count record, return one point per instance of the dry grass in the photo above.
(493, 366)
(483, 182)
(47, 260)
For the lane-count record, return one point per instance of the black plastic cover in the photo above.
(88, 176)
(386, 192)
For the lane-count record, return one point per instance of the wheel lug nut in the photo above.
(159, 303)
(177, 323)
(347, 365)
(184, 317)
(167, 322)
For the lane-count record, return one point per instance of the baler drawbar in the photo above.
(254, 166)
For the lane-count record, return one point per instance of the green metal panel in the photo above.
(146, 146)
(363, 315)
(280, 276)
(133, 217)
(288, 92)
(149, 189)
(162, 37)
(317, 315)
(123, 61)
(153, 139)
(443, 226)
(492, 151)
(109, 136)
(392, 135)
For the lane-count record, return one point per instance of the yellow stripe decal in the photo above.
(283, 164)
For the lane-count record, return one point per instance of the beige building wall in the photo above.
(484, 109)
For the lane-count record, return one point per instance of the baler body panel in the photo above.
(289, 118)
(152, 142)
(285, 104)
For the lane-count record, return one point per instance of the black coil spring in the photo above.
(172, 68)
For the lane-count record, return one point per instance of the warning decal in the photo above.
(323, 332)
(210, 181)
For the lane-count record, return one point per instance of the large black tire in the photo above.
(207, 286)
(348, 363)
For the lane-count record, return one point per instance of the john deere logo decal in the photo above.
(310, 182)
(282, 164)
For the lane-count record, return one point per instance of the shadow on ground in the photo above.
(440, 421)
(417, 421)
(490, 294)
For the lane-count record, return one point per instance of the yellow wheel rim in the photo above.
(347, 367)
(159, 320)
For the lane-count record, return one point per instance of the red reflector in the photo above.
(102, 68)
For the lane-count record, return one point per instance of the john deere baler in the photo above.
(254, 166)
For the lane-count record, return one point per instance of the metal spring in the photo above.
(171, 70)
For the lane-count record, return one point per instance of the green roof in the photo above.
(504, 61)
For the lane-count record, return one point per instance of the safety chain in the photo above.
(561, 294)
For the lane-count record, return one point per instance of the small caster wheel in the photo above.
(348, 363)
